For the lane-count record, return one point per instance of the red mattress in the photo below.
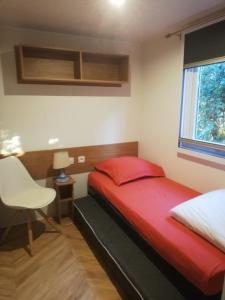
(146, 204)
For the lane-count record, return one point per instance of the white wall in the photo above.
(162, 78)
(76, 115)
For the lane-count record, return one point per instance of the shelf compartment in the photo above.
(104, 67)
(46, 63)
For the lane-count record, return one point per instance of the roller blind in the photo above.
(204, 44)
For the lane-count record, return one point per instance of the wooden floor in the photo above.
(63, 267)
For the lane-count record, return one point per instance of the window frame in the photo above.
(191, 144)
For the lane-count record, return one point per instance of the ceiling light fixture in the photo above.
(117, 2)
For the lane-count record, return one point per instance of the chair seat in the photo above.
(34, 198)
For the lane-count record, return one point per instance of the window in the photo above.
(203, 109)
(202, 127)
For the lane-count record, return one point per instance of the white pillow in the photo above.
(205, 215)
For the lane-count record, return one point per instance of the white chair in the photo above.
(20, 192)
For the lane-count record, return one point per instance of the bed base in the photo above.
(142, 275)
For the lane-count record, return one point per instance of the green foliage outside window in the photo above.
(210, 118)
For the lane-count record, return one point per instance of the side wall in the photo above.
(162, 78)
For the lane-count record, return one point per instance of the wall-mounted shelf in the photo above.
(70, 67)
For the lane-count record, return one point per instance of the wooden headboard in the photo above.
(39, 163)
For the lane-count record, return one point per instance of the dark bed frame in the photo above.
(124, 286)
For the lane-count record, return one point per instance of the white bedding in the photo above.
(205, 215)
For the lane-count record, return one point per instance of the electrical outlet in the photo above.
(81, 159)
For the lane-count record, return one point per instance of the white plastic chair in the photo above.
(20, 192)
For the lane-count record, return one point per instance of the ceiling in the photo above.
(137, 20)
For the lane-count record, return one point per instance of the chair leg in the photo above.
(49, 221)
(30, 233)
(9, 227)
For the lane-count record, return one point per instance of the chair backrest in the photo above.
(14, 178)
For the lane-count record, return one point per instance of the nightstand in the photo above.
(64, 194)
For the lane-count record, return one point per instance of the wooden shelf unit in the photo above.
(70, 67)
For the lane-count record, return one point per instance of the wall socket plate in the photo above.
(81, 159)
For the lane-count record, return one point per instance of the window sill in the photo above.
(201, 158)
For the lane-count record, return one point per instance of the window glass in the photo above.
(210, 115)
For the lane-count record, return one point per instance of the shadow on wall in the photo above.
(11, 87)
(202, 161)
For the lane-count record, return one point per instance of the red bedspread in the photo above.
(146, 203)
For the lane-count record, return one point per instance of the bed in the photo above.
(145, 203)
